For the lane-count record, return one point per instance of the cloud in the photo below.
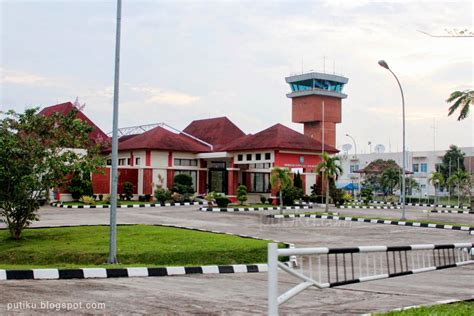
(159, 96)
(16, 77)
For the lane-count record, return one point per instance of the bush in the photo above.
(337, 195)
(147, 197)
(127, 188)
(263, 199)
(297, 181)
(290, 195)
(106, 198)
(101, 197)
(183, 184)
(87, 200)
(270, 200)
(367, 195)
(305, 198)
(177, 198)
(222, 201)
(80, 185)
(242, 194)
(141, 198)
(162, 195)
(210, 198)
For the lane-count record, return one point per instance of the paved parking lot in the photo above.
(246, 293)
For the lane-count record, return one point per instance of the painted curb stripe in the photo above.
(128, 205)
(373, 220)
(247, 209)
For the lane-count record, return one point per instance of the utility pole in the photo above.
(114, 174)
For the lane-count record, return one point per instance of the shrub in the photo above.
(162, 195)
(297, 181)
(80, 185)
(106, 198)
(305, 198)
(141, 198)
(101, 197)
(313, 198)
(222, 201)
(177, 198)
(290, 195)
(87, 200)
(147, 198)
(242, 194)
(127, 188)
(367, 194)
(337, 195)
(210, 197)
(263, 199)
(183, 184)
(270, 200)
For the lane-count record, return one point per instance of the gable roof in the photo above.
(97, 135)
(278, 136)
(159, 138)
(216, 131)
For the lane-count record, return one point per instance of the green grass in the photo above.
(252, 205)
(102, 203)
(137, 245)
(461, 308)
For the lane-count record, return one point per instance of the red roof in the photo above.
(216, 131)
(96, 135)
(161, 139)
(278, 137)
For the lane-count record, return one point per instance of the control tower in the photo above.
(316, 102)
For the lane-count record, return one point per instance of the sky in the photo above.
(187, 60)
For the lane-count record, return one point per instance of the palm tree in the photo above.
(436, 179)
(390, 179)
(462, 101)
(330, 169)
(280, 180)
(461, 180)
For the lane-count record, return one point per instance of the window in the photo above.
(249, 157)
(109, 162)
(128, 161)
(260, 182)
(191, 173)
(185, 162)
(354, 168)
(268, 156)
(137, 161)
(424, 167)
(260, 166)
(258, 156)
(240, 157)
(416, 167)
(122, 161)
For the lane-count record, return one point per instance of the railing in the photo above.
(332, 267)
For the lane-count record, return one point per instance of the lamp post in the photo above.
(355, 150)
(114, 174)
(383, 64)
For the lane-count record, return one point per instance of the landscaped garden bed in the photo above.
(137, 245)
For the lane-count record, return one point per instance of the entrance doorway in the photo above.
(218, 180)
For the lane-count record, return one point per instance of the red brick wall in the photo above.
(101, 182)
(315, 131)
(147, 181)
(309, 108)
(128, 175)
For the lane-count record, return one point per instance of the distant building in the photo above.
(421, 163)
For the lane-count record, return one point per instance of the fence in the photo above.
(332, 267)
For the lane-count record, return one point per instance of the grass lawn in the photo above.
(461, 308)
(251, 205)
(137, 245)
(102, 203)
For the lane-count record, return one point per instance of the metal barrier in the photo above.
(332, 267)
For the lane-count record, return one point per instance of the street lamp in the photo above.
(384, 64)
(355, 156)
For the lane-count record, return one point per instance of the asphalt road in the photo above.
(244, 294)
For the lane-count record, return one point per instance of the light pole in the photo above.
(355, 150)
(114, 174)
(383, 64)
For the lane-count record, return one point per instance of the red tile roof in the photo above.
(278, 137)
(216, 131)
(159, 138)
(96, 135)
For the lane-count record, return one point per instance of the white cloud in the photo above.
(156, 95)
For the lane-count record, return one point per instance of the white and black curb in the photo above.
(128, 205)
(449, 211)
(419, 204)
(248, 209)
(107, 273)
(374, 221)
(371, 207)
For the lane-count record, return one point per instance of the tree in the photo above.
(461, 100)
(453, 160)
(280, 179)
(80, 185)
(411, 184)
(331, 169)
(183, 184)
(242, 194)
(36, 153)
(437, 179)
(374, 171)
(390, 180)
(462, 181)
